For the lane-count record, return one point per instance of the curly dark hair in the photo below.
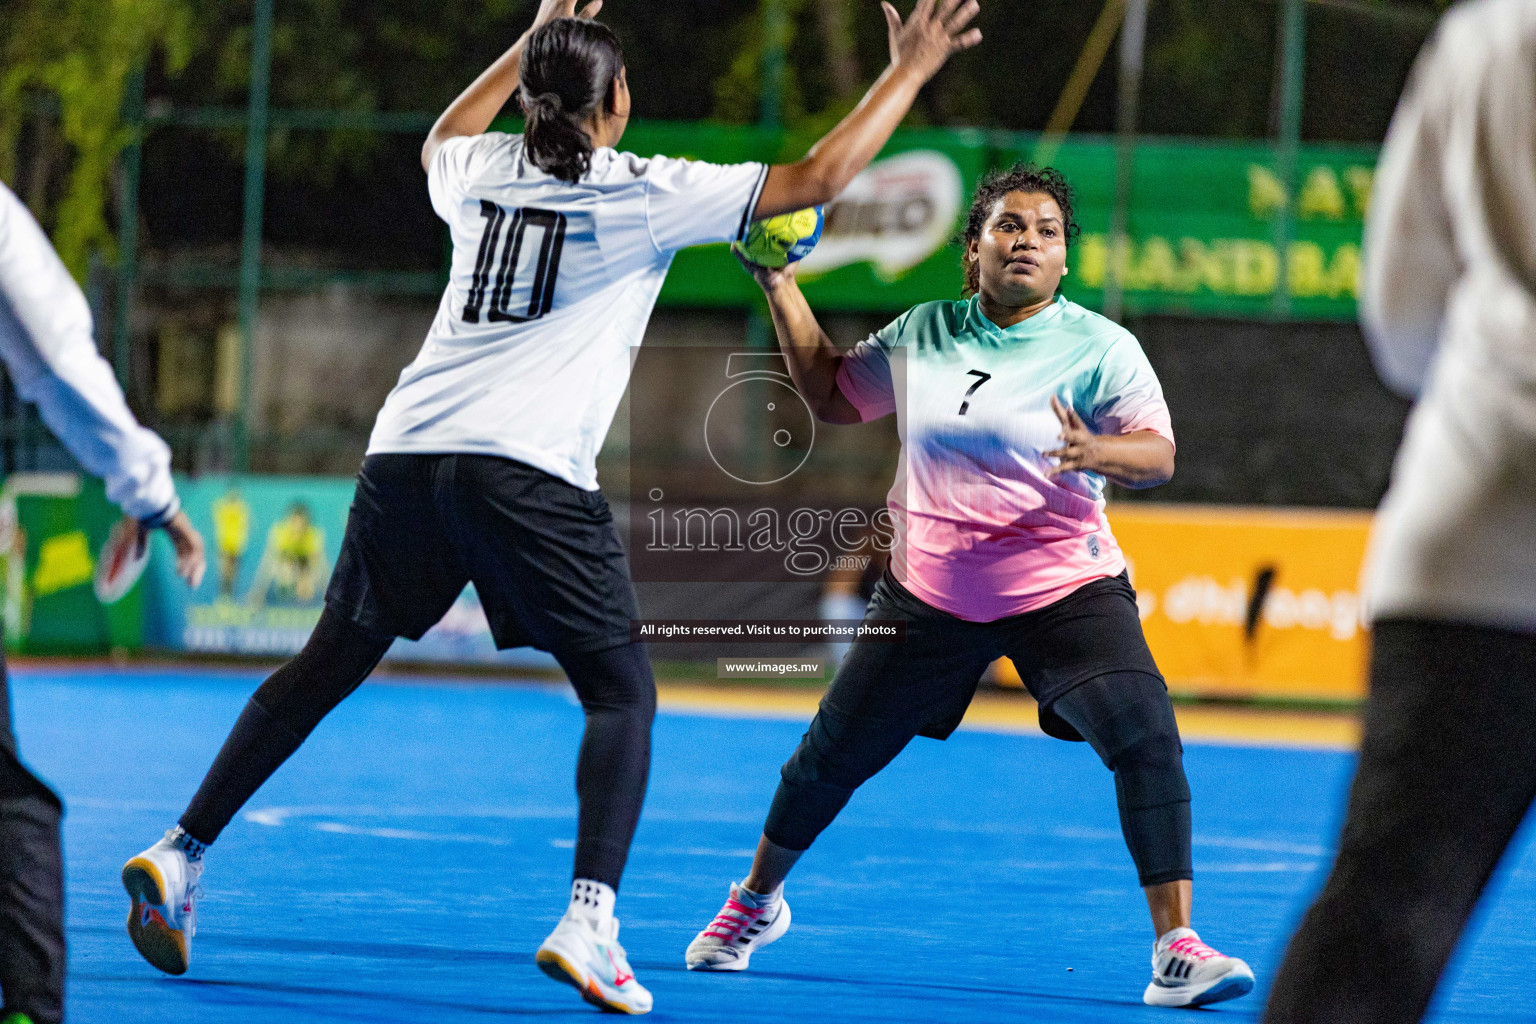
(1024, 177)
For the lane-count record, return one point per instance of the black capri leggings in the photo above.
(1083, 657)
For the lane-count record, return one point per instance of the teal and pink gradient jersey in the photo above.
(982, 530)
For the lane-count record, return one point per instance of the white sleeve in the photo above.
(46, 343)
(692, 203)
(457, 163)
(1409, 263)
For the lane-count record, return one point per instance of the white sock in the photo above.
(758, 900)
(592, 900)
(194, 850)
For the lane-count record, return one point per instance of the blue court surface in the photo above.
(405, 865)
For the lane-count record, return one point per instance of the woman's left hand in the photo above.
(1079, 445)
(1141, 458)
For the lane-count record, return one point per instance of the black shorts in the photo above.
(543, 555)
(1093, 631)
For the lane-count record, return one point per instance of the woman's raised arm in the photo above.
(813, 359)
(919, 48)
(473, 110)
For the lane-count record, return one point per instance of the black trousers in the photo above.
(31, 884)
(1083, 658)
(1447, 772)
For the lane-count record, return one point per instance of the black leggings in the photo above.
(31, 885)
(1447, 773)
(1125, 716)
(616, 690)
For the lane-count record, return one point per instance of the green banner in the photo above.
(53, 527)
(1201, 222)
(888, 240)
(1201, 228)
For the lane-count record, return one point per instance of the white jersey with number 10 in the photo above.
(551, 289)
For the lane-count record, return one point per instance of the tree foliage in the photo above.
(81, 55)
(1209, 72)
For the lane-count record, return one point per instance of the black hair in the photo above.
(568, 71)
(1024, 177)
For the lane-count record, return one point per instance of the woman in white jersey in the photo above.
(1447, 768)
(1013, 406)
(481, 467)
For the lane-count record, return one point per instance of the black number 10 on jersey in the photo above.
(525, 279)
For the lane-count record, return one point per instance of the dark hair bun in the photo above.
(568, 71)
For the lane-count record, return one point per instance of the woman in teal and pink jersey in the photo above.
(1014, 406)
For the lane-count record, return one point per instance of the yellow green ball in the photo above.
(782, 240)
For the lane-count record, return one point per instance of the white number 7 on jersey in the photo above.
(514, 261)
(984, 377)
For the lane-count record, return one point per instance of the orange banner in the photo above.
(1249, 602)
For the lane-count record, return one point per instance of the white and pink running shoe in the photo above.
(739, 930)
(1187, 972)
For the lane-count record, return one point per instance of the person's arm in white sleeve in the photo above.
(1410, 258)
(47, 344)
(689, 203)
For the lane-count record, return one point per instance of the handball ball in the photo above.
(782, 240)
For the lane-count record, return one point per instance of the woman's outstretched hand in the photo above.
(1142, 458)
(935, 30)
(191, 558)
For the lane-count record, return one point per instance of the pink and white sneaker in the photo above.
(741, 928)
(1187, 972)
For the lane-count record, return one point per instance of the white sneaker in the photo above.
(163, 886)
(590, 959)
(736, 933)
(1187, 972)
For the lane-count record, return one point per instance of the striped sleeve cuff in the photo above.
(746, 215)
(162, 517)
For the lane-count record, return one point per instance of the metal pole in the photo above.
(128, 226)
(1080, 81)
(1133, 45)
(775, 42)
(1293, 54)
(760, 334)
(250, 240)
